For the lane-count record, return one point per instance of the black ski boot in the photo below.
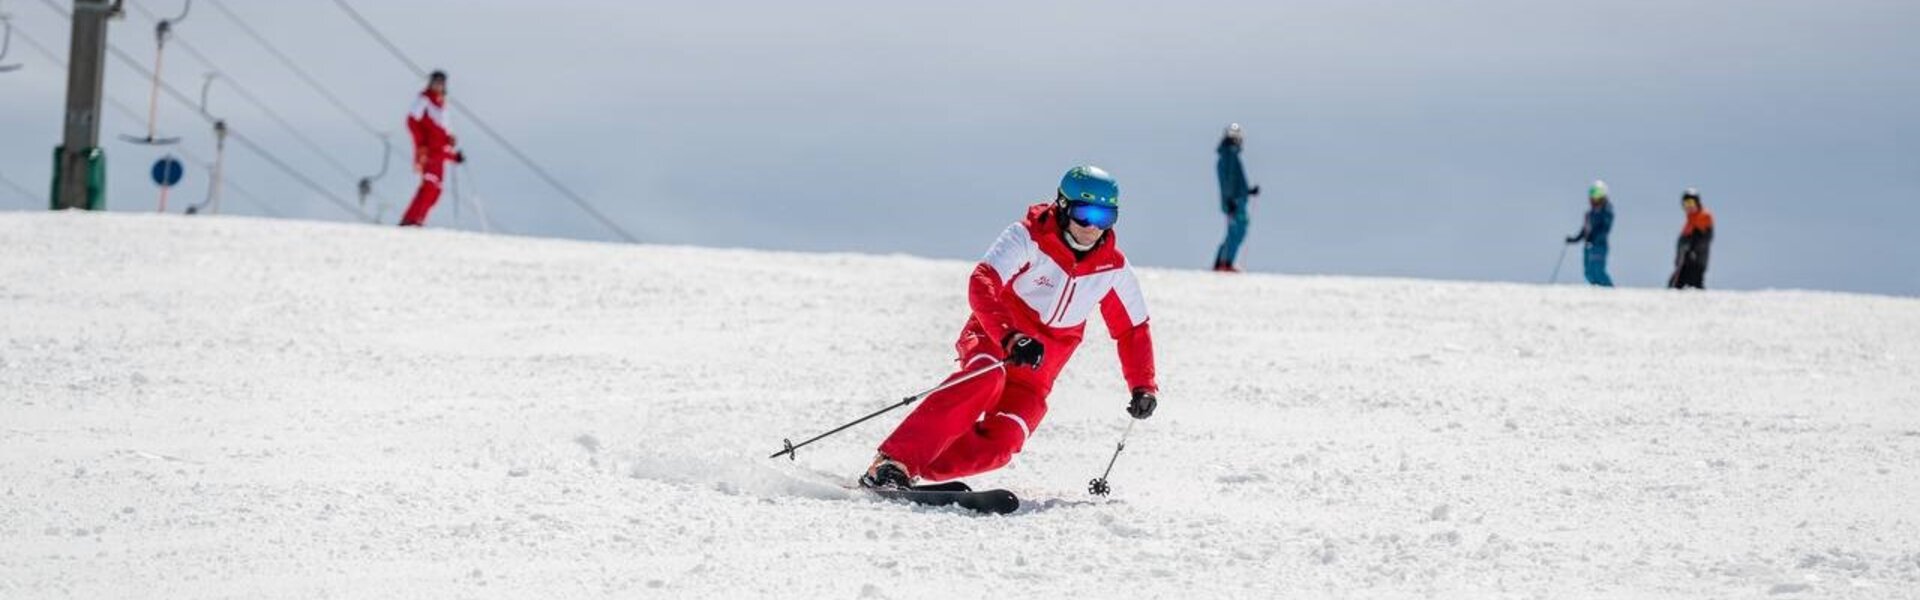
(885, 474)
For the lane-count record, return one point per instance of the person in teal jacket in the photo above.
(1234, 196)
(1594, 232)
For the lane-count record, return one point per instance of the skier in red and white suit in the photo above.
(1031, 297)
(433, 146)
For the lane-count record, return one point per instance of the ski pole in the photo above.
(1557, 263)
(1099, 485)
(790, 446)
(453, 181)
(473, 195)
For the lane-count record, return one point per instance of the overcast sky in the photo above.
(1443, 139)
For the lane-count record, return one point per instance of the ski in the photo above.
(997, 502)
(946, 486)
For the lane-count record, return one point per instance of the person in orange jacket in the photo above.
(1696, 238)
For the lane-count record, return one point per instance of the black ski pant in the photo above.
(1690, 275)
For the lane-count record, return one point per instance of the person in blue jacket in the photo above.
(1594, 232)
(1234, 196)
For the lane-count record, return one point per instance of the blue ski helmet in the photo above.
(1088, 184)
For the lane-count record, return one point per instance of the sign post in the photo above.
(167, 173)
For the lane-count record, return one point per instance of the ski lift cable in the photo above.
(40, 49)
(236, 135)
(512, 149)
(297, 175)
(365, 183)
(382, 38)
(294, 66)
(22, 190)
(114, 102)
(44, 51)
(248, 95)
(132, 115)
(160, 39)
(125, 109)
(175, 94)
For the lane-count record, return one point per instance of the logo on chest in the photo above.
(1044, 281)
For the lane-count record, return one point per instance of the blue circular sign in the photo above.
(167, 171)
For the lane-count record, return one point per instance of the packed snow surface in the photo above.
(244, 408)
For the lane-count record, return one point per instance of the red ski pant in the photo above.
(978, 425)
(431, 172)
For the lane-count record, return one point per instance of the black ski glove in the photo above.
(459, 157)
(1253, 191)
(1143, 403)
(1023, 350)
(1573, 239)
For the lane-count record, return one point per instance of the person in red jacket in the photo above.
(433, 146)
(1031, 296)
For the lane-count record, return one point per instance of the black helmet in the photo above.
(1690, 194)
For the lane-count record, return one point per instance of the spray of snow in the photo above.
(734, 474)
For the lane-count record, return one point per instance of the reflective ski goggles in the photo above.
(1092, 215)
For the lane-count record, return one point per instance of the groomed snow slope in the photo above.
(242, 408)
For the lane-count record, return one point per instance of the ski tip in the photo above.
(1007, 504)
(999, 502)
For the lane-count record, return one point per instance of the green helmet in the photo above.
(1597, 191)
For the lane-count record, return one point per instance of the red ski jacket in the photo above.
(1031, 282)
(428, 124)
